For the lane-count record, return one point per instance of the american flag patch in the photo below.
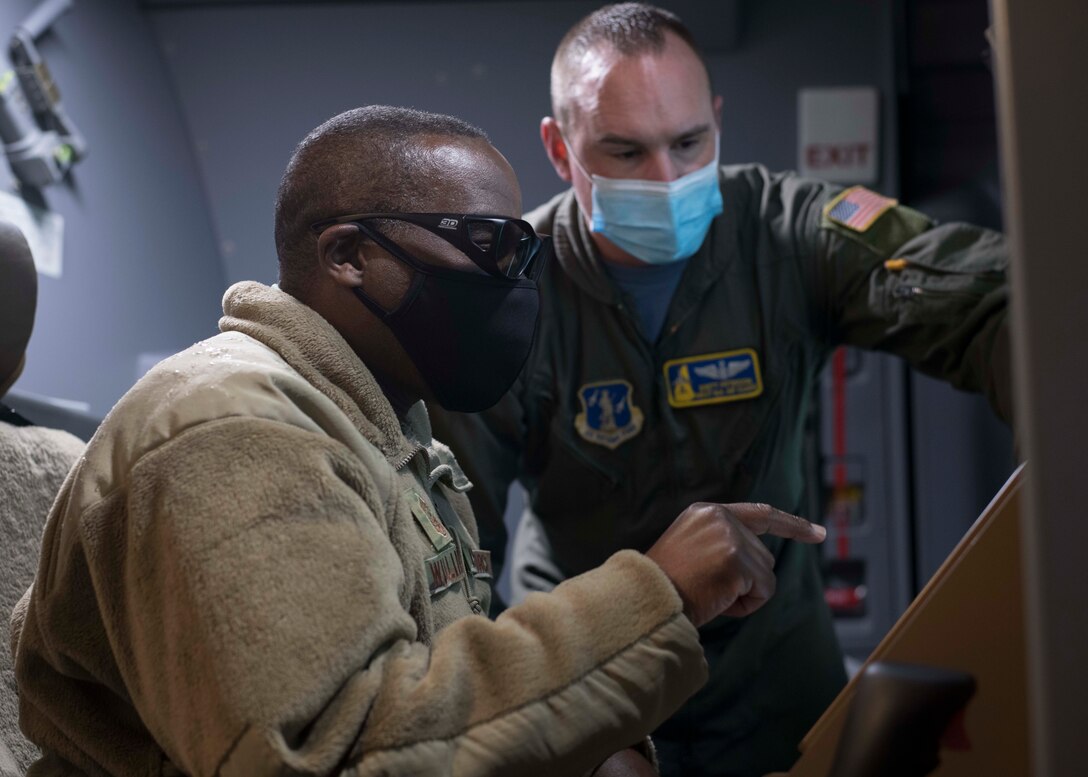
(857, 208)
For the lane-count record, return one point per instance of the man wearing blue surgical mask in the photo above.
(684, 322)
(655, 222)
(648, 191)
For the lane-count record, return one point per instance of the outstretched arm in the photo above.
(262, 625)
(895, 281)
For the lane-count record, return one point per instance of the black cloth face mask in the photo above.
(468, 334)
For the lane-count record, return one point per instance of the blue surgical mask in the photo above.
(657, 221)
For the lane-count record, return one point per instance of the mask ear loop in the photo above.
(409, 297)
(396, 251)
(419, 275)
(574, 158)
(578, 163)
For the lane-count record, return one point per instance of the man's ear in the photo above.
(717, 104)
(340, 254)
(555, 147)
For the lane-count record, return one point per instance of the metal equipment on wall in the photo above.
(40, 141)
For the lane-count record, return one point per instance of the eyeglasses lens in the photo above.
(508, 246)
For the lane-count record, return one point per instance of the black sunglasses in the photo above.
(501, 246)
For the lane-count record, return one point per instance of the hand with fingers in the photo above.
(714, 557)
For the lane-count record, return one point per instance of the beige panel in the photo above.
(1041, 63)
(969, 617)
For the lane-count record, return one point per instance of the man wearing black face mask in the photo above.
(264, 564)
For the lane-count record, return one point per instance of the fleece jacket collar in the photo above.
(318, 352)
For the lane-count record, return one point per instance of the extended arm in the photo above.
(937, 295)
(265, 628)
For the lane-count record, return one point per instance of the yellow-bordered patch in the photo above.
(711, 378)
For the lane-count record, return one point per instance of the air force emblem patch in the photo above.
(609, 416)
(713, 377)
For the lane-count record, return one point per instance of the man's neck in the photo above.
(399, 400)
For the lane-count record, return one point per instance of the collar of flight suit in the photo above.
(579, 258)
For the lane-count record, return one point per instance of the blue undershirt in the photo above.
(650, 288)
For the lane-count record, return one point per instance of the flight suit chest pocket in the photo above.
(580, 474)
(576, 455)
(580, 477)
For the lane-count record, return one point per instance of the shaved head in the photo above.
(626, 29)
(368, 160)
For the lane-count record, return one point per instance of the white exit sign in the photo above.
(838, 134)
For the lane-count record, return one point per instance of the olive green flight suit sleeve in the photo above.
(936, 295)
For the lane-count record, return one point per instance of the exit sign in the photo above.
(838, 132)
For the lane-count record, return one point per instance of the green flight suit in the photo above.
(777, 276)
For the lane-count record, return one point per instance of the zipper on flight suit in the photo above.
(650, 357)
(899, 264)
(675, 479)
(675, 326)
(906, 290)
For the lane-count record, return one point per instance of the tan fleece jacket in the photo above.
(232, 583)
(34, 461)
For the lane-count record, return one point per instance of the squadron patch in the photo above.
(714, 377)
(428, 520)
(857, 208)
(609, 416)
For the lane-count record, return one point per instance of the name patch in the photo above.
(445, 569)
(609, 416)
(713, 377)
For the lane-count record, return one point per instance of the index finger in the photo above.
(764, 519)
